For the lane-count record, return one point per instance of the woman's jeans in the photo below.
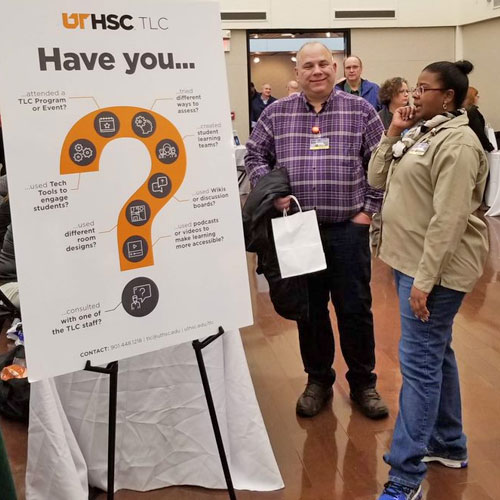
(430, 414)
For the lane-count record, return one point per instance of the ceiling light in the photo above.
(256, 60)
(293, 58)
(328, 34)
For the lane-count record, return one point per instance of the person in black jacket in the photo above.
(4, 207)
(260, 102)
(8, 273)
(476, 119)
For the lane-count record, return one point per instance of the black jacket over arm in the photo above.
(288, 295)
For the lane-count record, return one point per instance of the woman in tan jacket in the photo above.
(434, 177)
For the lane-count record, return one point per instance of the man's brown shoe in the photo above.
(313, 399)
(370, 403)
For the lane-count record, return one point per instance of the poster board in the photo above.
(122, 182)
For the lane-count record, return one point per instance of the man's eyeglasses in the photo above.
(421, 90)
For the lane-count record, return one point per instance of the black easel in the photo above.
(198, 346)
(111, 370)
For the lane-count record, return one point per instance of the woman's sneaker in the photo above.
(447, 461)
(396, 491)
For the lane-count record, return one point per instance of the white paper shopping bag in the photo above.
(298, 243)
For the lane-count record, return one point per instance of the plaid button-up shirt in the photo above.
(331, 181)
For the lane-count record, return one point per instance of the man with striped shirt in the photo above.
(323, 138)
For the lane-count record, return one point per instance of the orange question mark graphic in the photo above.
(81, 153)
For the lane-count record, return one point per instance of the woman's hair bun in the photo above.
(464, 66)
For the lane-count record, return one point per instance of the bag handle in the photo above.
(285, 214)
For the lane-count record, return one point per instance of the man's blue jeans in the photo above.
(430, 413)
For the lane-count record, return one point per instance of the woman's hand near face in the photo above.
(402, 119)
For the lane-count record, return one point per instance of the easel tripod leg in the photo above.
(111, 370)
(198, 346)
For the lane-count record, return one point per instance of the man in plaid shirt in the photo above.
(324, 138)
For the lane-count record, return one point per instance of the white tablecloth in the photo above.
(239, 155)
(164, 434)
(492, 194)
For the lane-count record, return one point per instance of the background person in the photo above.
(434, 178)
(251, 91)
(260, 102)
(334, 184)
(292, 87)
(8, 272)
(354, 84)
(476, 119)
(393, 94)
(5, 217)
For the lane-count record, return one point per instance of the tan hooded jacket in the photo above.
(429, 230)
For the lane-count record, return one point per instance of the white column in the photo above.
(459, 43)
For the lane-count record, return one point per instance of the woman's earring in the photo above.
(445, 106)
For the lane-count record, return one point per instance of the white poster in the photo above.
(123, 187)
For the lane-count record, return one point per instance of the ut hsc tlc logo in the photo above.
(97, 21)
(81, 21)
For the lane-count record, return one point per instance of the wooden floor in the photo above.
(338, 454)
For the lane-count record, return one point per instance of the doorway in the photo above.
(272, 54)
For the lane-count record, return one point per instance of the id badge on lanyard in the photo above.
(420, 148)
(318, 142)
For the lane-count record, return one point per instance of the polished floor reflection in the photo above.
(338, 454)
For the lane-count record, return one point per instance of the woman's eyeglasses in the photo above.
(421, 90)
